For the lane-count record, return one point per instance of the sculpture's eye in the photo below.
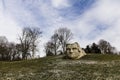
(68, 49)
(74, 48)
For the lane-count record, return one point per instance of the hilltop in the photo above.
(90, 67)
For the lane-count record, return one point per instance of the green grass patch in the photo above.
(90, 67)
(101, 57)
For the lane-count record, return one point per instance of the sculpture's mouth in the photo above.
(72, 55)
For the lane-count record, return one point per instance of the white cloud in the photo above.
(60, 3)
(8, 27)
(104, 12)
(107, 11)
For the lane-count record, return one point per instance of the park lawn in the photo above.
(90, 67)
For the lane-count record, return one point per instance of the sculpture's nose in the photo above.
(71, 51)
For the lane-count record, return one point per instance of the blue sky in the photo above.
(89, 20)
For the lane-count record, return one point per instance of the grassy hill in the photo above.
(90, 67)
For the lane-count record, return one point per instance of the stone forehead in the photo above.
(73, 44)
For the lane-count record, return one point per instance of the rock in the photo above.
(74, 51)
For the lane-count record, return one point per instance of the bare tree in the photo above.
(64, 36)
(104, 46)
(55, 42)
(35, 35)
(49, 49)
(52, 46)
(28, 40)
(11, 49)
(14, 51)
(3, 48)
(18, 51)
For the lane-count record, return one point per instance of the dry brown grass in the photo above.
(90, 67)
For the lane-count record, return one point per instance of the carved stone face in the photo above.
(73, 51)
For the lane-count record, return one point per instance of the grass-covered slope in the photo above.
(90, 67)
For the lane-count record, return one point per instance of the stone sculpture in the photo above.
(74, 51)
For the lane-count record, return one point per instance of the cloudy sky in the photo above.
(89, 20)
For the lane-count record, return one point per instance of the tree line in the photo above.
(27, 46)
(62, 36)
(103, 47)
(30, 37)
